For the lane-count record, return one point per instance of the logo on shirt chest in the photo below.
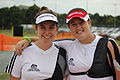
(33, 67)
(71, 62)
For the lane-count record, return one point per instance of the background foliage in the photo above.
(16, 16)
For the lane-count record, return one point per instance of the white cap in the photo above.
(45, 17)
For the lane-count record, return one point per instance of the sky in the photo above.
(103, 7)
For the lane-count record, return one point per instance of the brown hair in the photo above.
(43, 10)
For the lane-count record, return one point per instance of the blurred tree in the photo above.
(30, 14)
(61, 19)
(15, 16)
(23, 17)
(118, 21)
(95, 19)
(109, 21)
(4, 18)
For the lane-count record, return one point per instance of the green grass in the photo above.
(6, 32)
(4, 76)
(118, 41)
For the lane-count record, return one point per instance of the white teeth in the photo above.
(47, 37)
(79, 32)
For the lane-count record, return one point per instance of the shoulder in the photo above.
(29, 49)
(112, 45)
(62, 51)
(64, 41)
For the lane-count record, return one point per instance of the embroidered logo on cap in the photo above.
(75, 13)
(46, 16)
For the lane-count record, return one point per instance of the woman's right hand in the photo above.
(21, 45)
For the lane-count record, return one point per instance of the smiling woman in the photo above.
(88, 54)
(45, 61)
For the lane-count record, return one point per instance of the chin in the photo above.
(48, 40)
(81, 38)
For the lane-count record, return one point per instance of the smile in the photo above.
(47, 37)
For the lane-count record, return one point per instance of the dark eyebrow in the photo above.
(81, 20)
(52, 24)
(40, 24)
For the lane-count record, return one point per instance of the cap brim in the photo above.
(79, 16)
(46, 17)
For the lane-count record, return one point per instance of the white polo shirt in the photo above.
(80, 57)
(35, 63)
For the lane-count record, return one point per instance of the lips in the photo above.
(79, 32)
(47, 37)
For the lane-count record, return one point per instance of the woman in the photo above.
(87, 54)
(42, 59)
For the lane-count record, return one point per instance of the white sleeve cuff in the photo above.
(116, 64)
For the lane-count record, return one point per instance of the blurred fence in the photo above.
(8, 42)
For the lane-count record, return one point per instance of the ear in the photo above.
(57, 29)
(35, 27)
(90, 22)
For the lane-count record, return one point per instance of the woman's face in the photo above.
(47, 31)
(80, 28)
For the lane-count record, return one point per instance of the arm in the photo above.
(65, 77)
(23, 44)
(33, 39)
(115, 54)
(14, 66)
(13, 78)
(116, 59)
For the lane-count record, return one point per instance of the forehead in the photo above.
(48, 22)
(75, 20)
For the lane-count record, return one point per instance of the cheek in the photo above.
(88, 28)
(72, 30)
(38, 32)
(55, 33)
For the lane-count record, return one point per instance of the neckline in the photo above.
(93, 42)
(44, 51)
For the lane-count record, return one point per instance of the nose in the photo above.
(47, 31)
(78, 26)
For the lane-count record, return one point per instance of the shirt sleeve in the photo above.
(63, 43)
(14, 66)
